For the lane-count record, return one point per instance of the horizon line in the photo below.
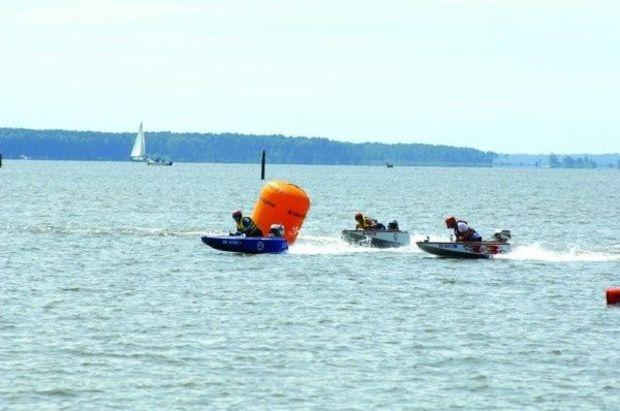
(318, 137)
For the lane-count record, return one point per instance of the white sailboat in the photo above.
(138, 152)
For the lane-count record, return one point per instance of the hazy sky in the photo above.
(530, 76)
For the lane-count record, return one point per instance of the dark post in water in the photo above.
(0, 159)
(262, 166)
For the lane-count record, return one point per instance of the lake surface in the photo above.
(108, 298)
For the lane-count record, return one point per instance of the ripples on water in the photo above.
(109, 300)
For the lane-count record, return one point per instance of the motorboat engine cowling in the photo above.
(502, 236)
(276, 230)
(393, 225)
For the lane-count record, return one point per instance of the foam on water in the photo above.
(106, 230)
(315, 245)
(334, 245)
(536, 252)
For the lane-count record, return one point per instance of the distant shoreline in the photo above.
(496, 166)
(232, 148)
(268, 163)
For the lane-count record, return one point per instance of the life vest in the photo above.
(467, 235)
(457, 233)
(246, 226)
(367, 222)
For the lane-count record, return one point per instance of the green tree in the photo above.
(554, 162)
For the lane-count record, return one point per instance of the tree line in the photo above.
(229, 148)
(577, 162)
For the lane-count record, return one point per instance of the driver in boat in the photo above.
(367, 223)
(276, 231)
(462, 230)
(245, 225)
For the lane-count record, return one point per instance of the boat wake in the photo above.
(536, 252)
(328, 245)
(47, 229)
(315, 245)
(334, 245)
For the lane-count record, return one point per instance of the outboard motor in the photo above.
(502, 236)
(276, 230)
(393, 225)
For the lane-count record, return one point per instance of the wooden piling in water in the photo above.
(262, 167)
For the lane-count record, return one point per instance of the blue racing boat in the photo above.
(247, 245)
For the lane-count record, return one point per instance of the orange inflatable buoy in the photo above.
(613, 295)
(281, 202)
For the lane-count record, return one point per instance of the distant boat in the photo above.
(158, 162)
(389, 165)
(138, 152)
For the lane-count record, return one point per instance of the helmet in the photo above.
(359, 216)
(277, 230)
(450, 222)
(236, 214)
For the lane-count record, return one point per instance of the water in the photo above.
(109, 300)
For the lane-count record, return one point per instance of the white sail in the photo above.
(138, 152)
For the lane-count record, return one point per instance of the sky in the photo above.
(511, 76)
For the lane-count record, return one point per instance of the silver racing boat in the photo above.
(376, 238)
(474, 249)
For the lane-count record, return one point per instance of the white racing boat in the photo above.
(474, 249)
(376, 238)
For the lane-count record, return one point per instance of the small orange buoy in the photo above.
(281, 202)
(613, 295)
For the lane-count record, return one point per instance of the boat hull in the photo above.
(476, 249)
(247, 245)
(158, 162)
(376, 238)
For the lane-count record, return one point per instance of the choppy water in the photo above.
(108, 299)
